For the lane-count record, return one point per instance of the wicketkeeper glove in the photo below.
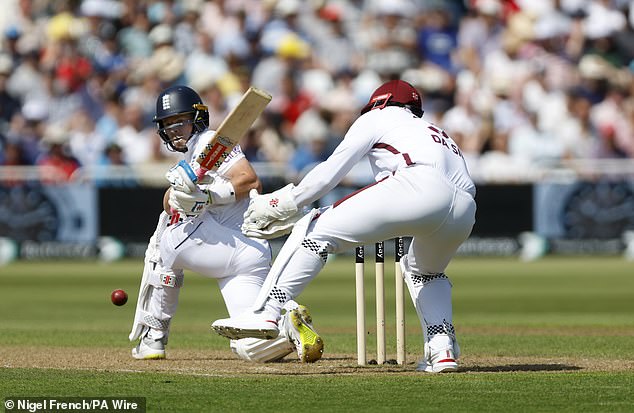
(268, 208)
(274, 230)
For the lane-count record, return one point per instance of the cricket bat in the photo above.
(229, 133)
(231, 130)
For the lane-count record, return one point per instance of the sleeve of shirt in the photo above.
(234, 156)
(320, 180)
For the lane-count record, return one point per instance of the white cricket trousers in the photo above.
(417, 201)
(239, 263)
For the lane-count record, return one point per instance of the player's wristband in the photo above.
(221, 193)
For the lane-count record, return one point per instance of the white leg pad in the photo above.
(262, 351)
(151, 257)
(143, 302)
(431, 296)
(153, 276)
(157, 305)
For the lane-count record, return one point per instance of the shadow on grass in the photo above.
(519, 367)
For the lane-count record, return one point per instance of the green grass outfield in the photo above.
(549, 336)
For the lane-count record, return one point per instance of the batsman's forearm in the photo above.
(243, 184)
(243, 178)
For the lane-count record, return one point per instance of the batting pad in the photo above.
(151, 257)
(262, 351)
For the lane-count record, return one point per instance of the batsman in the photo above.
(423, 190)
(200, 231)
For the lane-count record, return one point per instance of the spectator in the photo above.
(202, 64)
(612, 117)
(27, 82)
(108, 124)
(530, 145)
(464, 121)
(134, 37)
(27, 130)
(311, 133)
(185, 29)
(9, 105)
(479, 33)
(11, 37)
(11, 154)
(84, 140)
(136, 140)
(112, 170)
(438, 38)
(58, 162)
(334, 49)
(579, 136)
(390, 38)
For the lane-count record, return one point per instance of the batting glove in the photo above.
(190, 204)
(182, 177)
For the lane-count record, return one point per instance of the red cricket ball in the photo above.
(119, 297)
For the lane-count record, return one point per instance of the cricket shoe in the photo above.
(309, 345)
(256, 325)
(441, 353)
(150, 348)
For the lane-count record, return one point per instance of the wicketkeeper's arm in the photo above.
(267, 209)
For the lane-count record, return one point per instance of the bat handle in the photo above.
(200, 172)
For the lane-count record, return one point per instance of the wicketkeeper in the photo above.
(207, 240)
(422, 190)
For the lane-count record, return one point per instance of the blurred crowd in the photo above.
(518, 84)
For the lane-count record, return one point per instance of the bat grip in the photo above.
(200, 172)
